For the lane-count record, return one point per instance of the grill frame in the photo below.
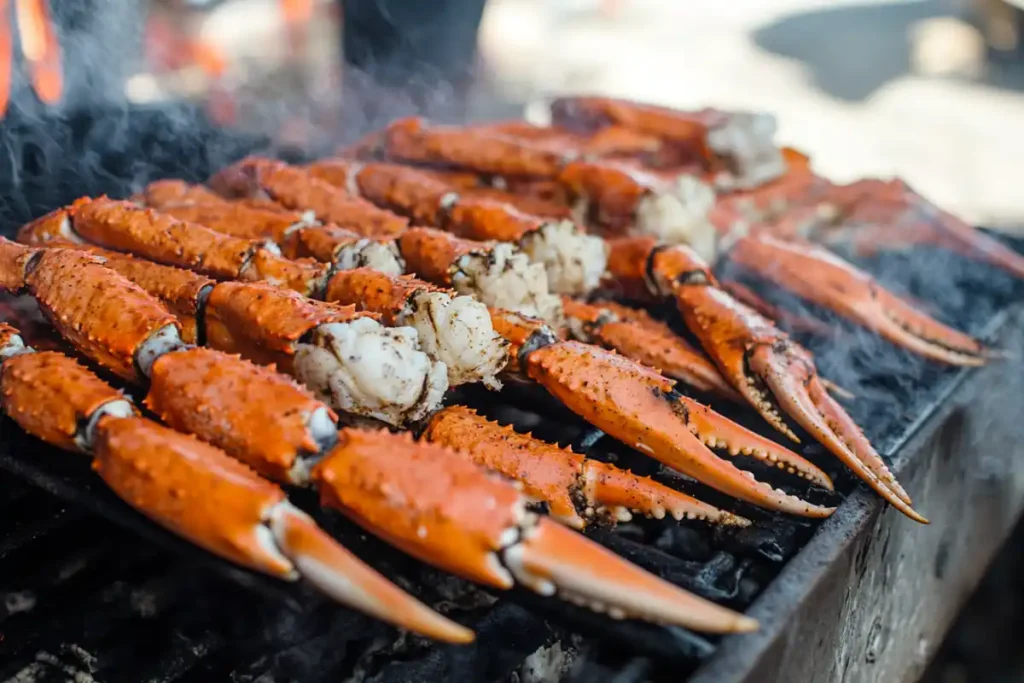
(860, 602)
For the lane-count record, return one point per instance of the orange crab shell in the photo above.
(51, 395)
(371, 290)
(320, 242)
(296, 189)
(263, 323)
(410, 139)
(98, 311)
(424, 499)
(123, 226)
(190, 487)
(180, 290)
(432, 254)
(201, 391)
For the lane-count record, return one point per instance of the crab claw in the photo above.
(552, 559)
(574, 487)
(790, 377)
(818, 276)
(343, 577)
(639, 407)
(204, 495)
(875, 214)
(442, 508)
(635, 334)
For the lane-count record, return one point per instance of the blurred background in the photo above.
(929, 90)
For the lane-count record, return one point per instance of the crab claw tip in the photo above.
(342, 576)
(551, 558)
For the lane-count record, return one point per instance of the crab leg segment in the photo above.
(574, 261)
(297, 190)
(575, 488)
(775, 374)
(297, 234)
(620, 199)
(738, 146)
(635, 334)
(440, 507)
(347, 358)
(874, 213)
(192, 488)
(498, 274)
(639, 407)
(817, 276)
(412, 140)
(455, 330)
(124, 227)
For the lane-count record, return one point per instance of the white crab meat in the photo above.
(679, 215)
(574, 260)
(746, 141)
(371, 254)
(504, 278)
(458, 332)
(364, 368)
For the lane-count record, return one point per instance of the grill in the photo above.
(866, 595)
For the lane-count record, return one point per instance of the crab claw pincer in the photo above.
(575, 487)
(639, 407)
(774, 373)
(818, 276)
(442, 508)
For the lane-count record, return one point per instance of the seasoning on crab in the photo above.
(576, 489)
(454, 330)
(438, 506)
(641, 408)
(295, 189)
(498, 274)
(772, 372)
(193, 489)
(617, 199)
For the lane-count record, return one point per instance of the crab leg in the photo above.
(817, 276)
(326, 347)
(575, 488)
(442, 508)
(774, 373)
(298, 235)
(872, 214)
(297, 190)
(574, 260)
(193, 489)
(454, 330)
(635, 334)
(125, 227)
(792, 321)
(737, 146)
(639, 407)
(498, 274)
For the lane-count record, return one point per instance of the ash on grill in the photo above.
(86, 600)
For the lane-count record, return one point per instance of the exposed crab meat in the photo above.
(574, 261)
(194, 489)
(455, 330)
(505, 278)
(365, 253)
(438, 506)
(364, 368)
(498, 274)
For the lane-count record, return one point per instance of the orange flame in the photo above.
(41, 48)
